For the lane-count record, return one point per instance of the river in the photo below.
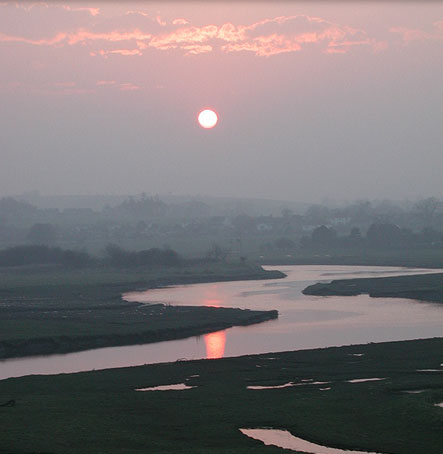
(304, 321)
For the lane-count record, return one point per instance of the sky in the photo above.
(315, 99)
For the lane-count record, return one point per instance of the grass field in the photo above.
(100, 412)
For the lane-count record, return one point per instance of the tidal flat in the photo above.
(102, 411)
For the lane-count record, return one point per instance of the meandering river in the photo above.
(304, 321)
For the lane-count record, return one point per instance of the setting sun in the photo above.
(207, 118)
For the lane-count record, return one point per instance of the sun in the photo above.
(207, 118)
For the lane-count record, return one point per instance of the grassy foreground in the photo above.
(58, 310)
(100, 412)
(425, 287)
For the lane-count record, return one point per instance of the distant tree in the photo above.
(284, 243)
(305, 242)
(354, 239)
(41, 255)
(431, 236)
(217, 253)
(384, 235)
(243, 223)
(317, 214)
(323, 236)
(157, 257)
(15, 211)
(144, 207)
(360, 212)
(42, 234)
(287, 213)
(266, 247)
(119, 257)
(75, 259)
(426, 210)
(355, 232)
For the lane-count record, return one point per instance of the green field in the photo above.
(100, 412)
(56, 310)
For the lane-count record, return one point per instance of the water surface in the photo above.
(304, 322)
(284, 439)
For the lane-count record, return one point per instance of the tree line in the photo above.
(113, 255)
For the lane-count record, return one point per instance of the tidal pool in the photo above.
(364, 380)
(287, 385)
(304, 322)
(284, 439)
(177, 387)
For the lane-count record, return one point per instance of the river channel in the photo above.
(304, 321)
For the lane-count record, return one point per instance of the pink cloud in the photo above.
(65, 84)
(160, 21)
(136, 13)
(264, 46)
(128, 86)
(91, 11)
(82, 36)
(195, 49)
(408, 34)
(56, 40)
(124, 52)
(414, 34)
(184, 37)
(102, 83)
(265, 38)
(335, 50)
(180, 21)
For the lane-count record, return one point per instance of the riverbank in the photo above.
(48, 310)
(413, 258)
(424, 287)
(327, 399)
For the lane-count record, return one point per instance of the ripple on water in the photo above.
(284, 439)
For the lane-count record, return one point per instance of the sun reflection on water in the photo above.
(215, 344)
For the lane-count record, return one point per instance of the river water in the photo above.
(304, 321)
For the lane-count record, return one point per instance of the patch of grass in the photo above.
(97, 412)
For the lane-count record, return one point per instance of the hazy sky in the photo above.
(341, 100)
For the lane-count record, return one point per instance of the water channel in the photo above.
(304, 321)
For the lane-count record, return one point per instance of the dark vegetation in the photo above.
(60, 309)
(42, 255)
(97, 412)
(114, 256)
(426, 287)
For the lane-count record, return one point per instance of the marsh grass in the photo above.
(96, 412)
